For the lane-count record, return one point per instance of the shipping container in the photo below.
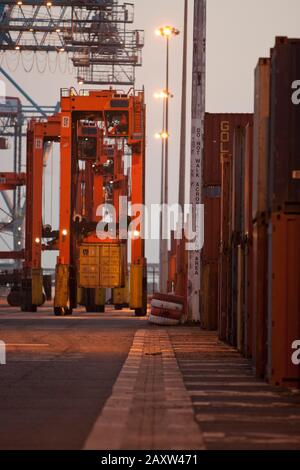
(234, 295)
(181, 267)
(261, 137)
(259, 296)
(284, 155)
(237, 195)
(284, 300)
(209, 260)
(102, 265)
(224, 298)
(235, 327)
(228, 123)
(213, 129)
(4, 143)
(212, 226)
(209, 295)
(240, 309)
(218, 149)
(241, 247)
(247, 244)
(211, 186)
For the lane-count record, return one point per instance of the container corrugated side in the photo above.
(228, 124)
(284, 307)
(261, 137)
(284, 154)
(260, 294)
(248, 243)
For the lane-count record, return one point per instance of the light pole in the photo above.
(163, 136)
(182, 163)
(166, 32)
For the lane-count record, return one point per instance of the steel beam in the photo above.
(10, 180)
(23, 92)
(12, 254)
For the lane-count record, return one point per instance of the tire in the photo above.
(118, 307)
(29, 308)
(166, 313)
(62, 311)
(15, 298)
(162, 304)
(177, 299)
(95, 308)
(140, 312)
(162, 321)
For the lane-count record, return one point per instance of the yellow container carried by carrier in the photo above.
(102, 265)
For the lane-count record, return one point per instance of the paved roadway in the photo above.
(59, 373)
(111, 381)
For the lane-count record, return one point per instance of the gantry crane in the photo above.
(95, 34)
(94, 129)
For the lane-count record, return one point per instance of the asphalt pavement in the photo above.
(59, 373)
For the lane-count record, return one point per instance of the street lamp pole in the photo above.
(164, 254)
(167, 125)
(167, 32)
(182, 163)
(162, 196)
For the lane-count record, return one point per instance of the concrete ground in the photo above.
(59, 373)
(111, 381)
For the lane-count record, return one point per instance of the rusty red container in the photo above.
(284, 300)
(212, 225)
(213, 128)
(235, 323)
(284, 154)
(259, 295)
(3, 143)
(228, 123)
(248, 243)
(258, 250)
(261, 137)
(209, 295)
(237, 200)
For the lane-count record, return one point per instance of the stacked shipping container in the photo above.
(216, 195)
(260, 214)
(283, 276)
(211, 193)
(251, 192)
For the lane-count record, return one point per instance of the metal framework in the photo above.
(96, 129)
(13, 121)
(121, 119)
(94, 34)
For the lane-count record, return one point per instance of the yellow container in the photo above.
(102, 266)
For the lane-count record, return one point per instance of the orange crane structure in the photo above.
(95, 130)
